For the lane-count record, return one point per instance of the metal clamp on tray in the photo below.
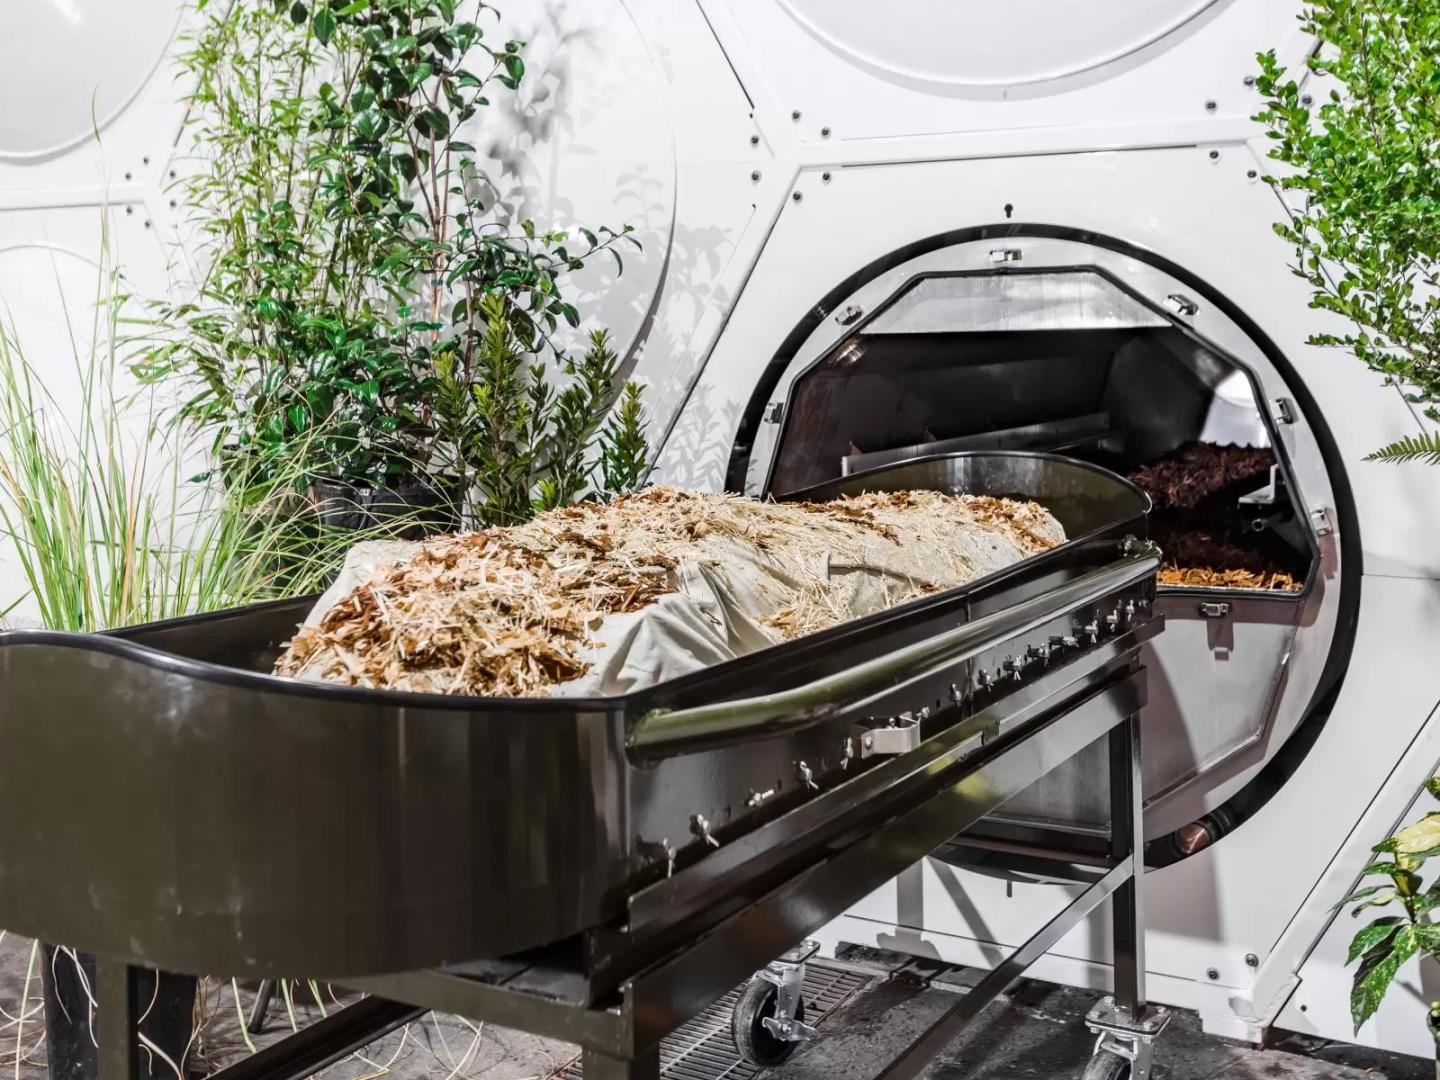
(606, 867)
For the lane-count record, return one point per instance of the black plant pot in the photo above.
(434, 506)
(70, 1042)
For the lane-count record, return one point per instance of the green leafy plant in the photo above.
(278, 331)
(520, 443)
(357, 256)
(1386, 943)
(1364, 161)
(624, 450)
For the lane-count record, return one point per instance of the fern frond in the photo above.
(1423, 447)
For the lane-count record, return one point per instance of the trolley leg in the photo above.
(1124, 1024)
(116, 1015)
(1127, 839)
(264, 994)
(644, 1066)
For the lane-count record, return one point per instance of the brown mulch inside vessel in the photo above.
(1200, 527)
(1197, 471)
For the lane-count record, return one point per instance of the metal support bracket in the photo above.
(1120, 1032)
(787, 972)
(886, 738)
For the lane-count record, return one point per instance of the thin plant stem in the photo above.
(24, 998)
(240, 1013)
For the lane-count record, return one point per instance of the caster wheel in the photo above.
(1106, 1066)
(752, 1039)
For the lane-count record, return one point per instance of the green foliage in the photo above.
(1365, 159)
(1423, 447)
(579, 409)
(522, 444)
(1383, 945)
(355, 258)
(104, 525)
(624, 451)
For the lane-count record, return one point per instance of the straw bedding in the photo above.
(605, 598)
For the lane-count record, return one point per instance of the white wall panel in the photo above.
(69, 68)
(589, 139)
(930, 68)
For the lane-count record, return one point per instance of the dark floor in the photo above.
(1038, 1031)
(873, 1011)
(435, 1046)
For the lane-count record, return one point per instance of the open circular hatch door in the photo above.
(1064, 346)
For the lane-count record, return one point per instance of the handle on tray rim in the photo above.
(663, 733)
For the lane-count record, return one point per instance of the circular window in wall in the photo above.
(992, 45)
(70, 66)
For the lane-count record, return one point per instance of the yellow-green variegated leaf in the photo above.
(1422, 836)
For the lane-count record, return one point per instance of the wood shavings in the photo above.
(1206, 578)
(516, 611)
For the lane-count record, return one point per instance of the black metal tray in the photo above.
(186, 810)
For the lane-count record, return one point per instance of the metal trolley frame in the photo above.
(538, 831)
(637, 985)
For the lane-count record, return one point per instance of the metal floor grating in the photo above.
(702, 1049)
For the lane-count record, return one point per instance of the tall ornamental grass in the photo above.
(103, 517)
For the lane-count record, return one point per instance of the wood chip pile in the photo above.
(1206, 578)
(1200, 559)
(1199, 526)
(584, 599)
(1197, 471)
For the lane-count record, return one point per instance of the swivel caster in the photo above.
(1124, 1040)
(768, 1021)
(1107, 1066)
(753, 1039)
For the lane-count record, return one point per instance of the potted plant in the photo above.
(355, 255)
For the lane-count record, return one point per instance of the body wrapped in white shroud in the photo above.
(607, 598)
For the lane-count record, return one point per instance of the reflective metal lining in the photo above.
(898, 382)
(976, 361)
(1234, 661)
(992, 303)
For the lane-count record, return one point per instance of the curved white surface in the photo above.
(69, 67)
(587, 141)
(47, 298)
(990, 45)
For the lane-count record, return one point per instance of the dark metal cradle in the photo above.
(594, 870)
